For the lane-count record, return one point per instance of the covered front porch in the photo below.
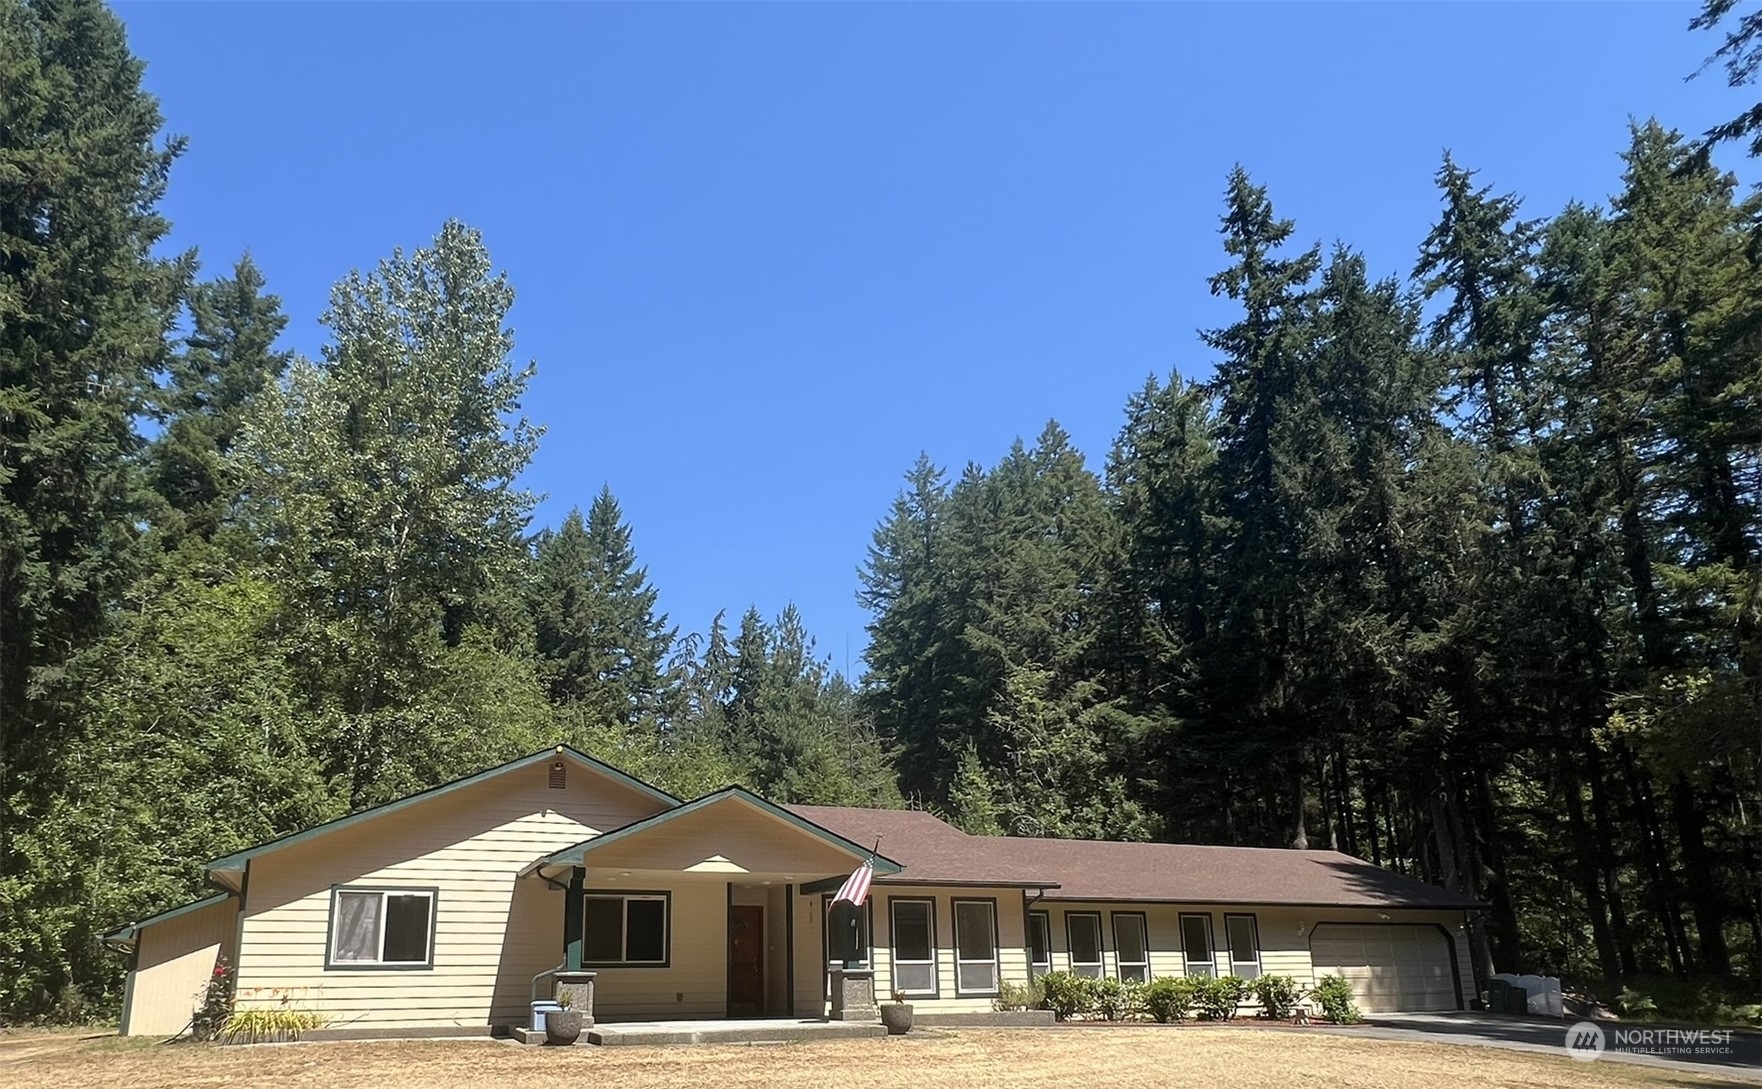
(715, 910)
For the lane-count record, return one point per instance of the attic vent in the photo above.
(557, 775)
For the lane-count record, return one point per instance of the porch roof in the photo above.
(664, 832)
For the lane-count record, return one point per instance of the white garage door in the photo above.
(1392, 966)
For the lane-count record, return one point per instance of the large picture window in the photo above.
(625, 929)
(1039, 942)
(914, 945)
(1131, 947)
(1196, 943)
(381, 928)
(975, 947)
(1083, 929)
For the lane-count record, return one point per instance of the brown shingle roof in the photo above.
(935, 852)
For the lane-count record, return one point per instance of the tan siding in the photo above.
(1284, 948)
(731, 837)
(695, 981)
(810, 955)
(1011, 944)
(174, 962)
(492, 932)
(776, 951)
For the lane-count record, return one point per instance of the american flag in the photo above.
(856, 887)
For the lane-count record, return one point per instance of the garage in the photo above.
(1391, 966)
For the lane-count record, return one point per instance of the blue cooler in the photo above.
(540, 1009)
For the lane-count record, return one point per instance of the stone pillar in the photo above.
(853, 994)
(579, 987)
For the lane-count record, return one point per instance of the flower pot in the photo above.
(562, 1026)
(897, 1016)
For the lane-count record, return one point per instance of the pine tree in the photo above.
(228, 358)
(909, 653)
(1265, 401)
(595, 621)
(87, 308)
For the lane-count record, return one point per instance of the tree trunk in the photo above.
(1706, 898)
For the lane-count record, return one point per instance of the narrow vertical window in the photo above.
(1083, 929)
(975, 947)
(1132, 946)
(1039, 942)
(1196, 944)
(1244, 938)
(914, 946)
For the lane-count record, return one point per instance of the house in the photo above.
(432, 915)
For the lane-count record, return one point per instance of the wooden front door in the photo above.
(746, 960)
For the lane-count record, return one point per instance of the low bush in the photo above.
(272, 1025)
(1115, 1000)
(1068, 995)
(1168, 999)
(1021, 996)
(1218, 998)
(261, 1024)
(1277, 995)
(1334, 995)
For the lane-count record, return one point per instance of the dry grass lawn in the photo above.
(1068, 1058)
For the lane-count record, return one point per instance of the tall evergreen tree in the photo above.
(595, 621)
(85, 307)
(1265, 395)
(228, 358)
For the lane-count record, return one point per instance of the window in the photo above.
(381, 928)
(1196, 943)
(914, 946)
(1084, 931)
(1244, 938)
(975, 947)
(624, 929)
(1039, 942)
(1132, 947)
(847, 934)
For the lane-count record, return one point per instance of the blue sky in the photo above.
(766, 253)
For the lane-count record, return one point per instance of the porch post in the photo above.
(573, 908)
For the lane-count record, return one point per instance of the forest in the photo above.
(1457, 569)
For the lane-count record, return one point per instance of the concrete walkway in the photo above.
(1548, 1036)
(733, 1031)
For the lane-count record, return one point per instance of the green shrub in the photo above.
(1111, 999)
(1635, 1005)
(1068, 995)
(1277, 995)
(1169, 998)
(1334, 995)
(1021, 996)
(1218, 998)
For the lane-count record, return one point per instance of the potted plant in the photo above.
(563, 1026)
(897, 1015)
